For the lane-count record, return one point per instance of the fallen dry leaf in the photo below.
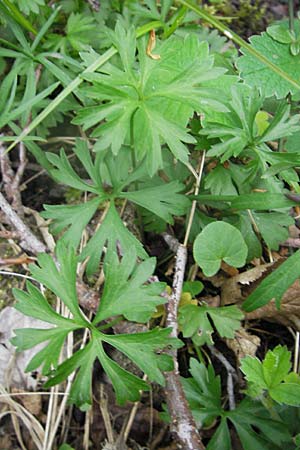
(31, 401)
(13, 364)
(243, 344)
(236, 289)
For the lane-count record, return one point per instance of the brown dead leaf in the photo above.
(31, 401)
(231, 291)
(289, 312)
(243, 344)
(236, 289)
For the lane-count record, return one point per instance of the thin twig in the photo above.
(132, 416)
(28, 240)
(10, 182)
(21, 167)
(194, 203)
(105, 415)
(296, 355)
(182, 423)
(231, 374)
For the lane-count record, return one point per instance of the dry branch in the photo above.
(182, 423)
(28, 240)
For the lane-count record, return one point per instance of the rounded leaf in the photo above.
(219, 241)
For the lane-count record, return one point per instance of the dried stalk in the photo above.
(28, 240)
(182, 423)
(231, 374)
(12, 180)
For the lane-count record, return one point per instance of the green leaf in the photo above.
(152, 101)
(125, 291)
(64, 173)
(80, 30)
(38, 307)
(49, 356)
(286, 393)
(142, 348)
(60, 279)
(275, 284)
(8, 116)
(255, 427)
(297, 439)
(282, 124)
(257, 74)
(253, 370)
(193, 287)
(255, 200)
(34, 304)
(272, 375)
(238, 130)
(112, 230)
(248, 438)
(276, 365)
(30, 5)
(163, 200)
(126, 385)
(195, 323)
(203, 392)
(243, 224)
(280, 34)
(73, 217)
(273, 227)
(83, 359)
(219, 181)
(221, 438)
(251, 420)
(219, 241)
(66, 447)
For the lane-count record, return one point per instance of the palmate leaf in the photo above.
(273, 227)
(72, 218)
(163, 200)
(109, 177)
(195, 322)
(137, 301)
(239, 130)
(154, 99)
(257, 74)
(273, 376)
(61, 278)
(26, 6)
(252, 422)
(111, 230)
(125, 292)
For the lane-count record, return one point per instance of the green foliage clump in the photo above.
(199, 141)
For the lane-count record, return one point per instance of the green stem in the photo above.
(76, 82)
(199, 354)
(177, 20)
(18, 17)
(269, 405)
(291, 17)
(238, 40)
